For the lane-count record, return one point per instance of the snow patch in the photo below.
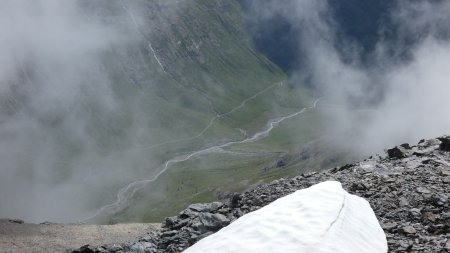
(322, 218)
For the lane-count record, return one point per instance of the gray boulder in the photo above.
(395, 153)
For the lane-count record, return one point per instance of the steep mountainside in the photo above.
(166, 80)
(212, 87)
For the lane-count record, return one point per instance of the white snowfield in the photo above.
(322, 218)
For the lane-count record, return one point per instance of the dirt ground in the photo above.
(24, 237)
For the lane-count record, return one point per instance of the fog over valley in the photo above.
(127, 111)
(381, 68)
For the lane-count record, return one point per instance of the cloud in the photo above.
(398, 95)
(69, 130)
(58, 104)
(415, 105)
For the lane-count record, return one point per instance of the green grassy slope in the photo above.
(202, 64)
(184, 76)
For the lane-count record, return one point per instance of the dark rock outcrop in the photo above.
(445, 143)
(395, 153)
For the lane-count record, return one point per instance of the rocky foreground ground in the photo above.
(408, 191)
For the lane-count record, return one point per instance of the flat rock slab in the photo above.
(17, 237)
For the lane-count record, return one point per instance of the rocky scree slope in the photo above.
(408, 190)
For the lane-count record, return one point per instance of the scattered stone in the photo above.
(170, 221)
(423, 190)
(213, 221)
(445, 143)
(439, 200)
(415, 212)
(429, 217)
(409, 230)
(235, 200)
(143, 247)
(17, 221)
(405, 146)
(404, 244)
(169, 233)
(47, 223)
(199, 207)
(389, 226)
(86, 249)
(115, 248)
(445, 172)
(395, 153)
(358, 187)
(403, 202)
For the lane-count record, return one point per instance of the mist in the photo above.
(83, 112)
(374, 98)
(66, 121)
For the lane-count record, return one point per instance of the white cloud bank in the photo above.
(400, 95)
(53, 83)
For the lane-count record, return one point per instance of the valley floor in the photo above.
(22, 237)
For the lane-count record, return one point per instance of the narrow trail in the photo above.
(125, 194)
(215, 118)
(250, 98)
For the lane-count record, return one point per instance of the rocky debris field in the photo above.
(408, 191)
